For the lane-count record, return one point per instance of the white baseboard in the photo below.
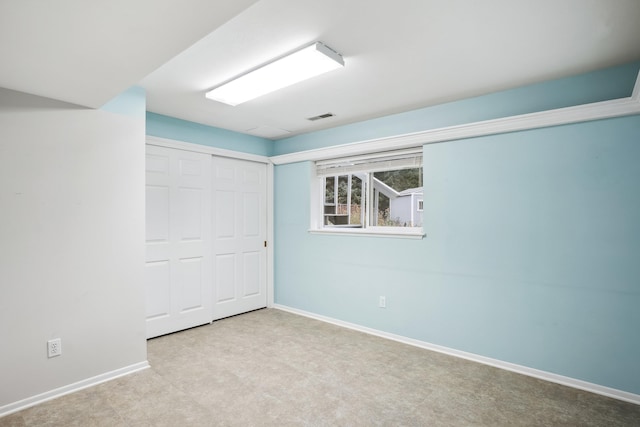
(536, 373)
(61, 391)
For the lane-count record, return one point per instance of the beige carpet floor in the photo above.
(273, 368)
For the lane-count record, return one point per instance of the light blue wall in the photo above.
(591, 87)
(131, 102)
(196, 133)
(531, 256)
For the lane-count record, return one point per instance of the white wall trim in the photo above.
(560, 116)
(198, 148)
(396, 232)
(71, 388)
(270, 235)
(531, 372)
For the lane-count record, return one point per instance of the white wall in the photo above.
(71, 242)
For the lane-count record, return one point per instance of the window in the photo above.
(373, 194)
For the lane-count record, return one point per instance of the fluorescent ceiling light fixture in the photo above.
(303, 64)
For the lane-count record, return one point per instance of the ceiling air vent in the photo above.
(320, 117)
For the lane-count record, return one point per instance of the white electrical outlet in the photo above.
(382, 302)
(54, 347)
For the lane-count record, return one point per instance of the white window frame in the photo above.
(369, 163)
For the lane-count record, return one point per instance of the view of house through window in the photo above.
(377, 193)
(396, 195)
(374, 199)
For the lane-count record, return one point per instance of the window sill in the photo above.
(401, 233)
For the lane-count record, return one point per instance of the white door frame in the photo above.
(220, 152)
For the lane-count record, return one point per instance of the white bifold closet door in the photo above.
(178, 240)
(239, 236)
(206, 220)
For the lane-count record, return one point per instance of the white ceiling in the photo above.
(88, 51)
(399, 54)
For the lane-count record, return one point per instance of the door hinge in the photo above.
(265, 243)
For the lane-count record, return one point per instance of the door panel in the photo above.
(251, 215)
(224, 205)
(225, 278)
(190, 278)
(240, 218)
(158, 289)
(190, 213)
(251, 277)
(178, 255)
(157, 215)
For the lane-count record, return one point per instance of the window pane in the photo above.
(357, 199)
(343, 194)
(396, 195)
(345, 208)
(329, 190)
(401, 180)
